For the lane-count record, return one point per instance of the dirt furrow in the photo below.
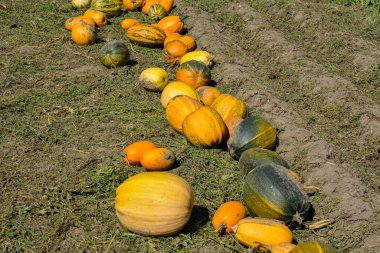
(309, 154)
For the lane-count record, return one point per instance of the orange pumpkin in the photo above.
(194, 73)
(167, 4)
(172, 24)
(205, 128)
(128, 23)
(208, 94)
(189, 42)
(84, 34)
(229, 106)
(132, 5)
(231, 123)
(174, 50)
(178, 108)
(158, 159)
(72, 22)
(227, 216)
(98, 16)
(171, 37)
(284, 247)
(134, 151)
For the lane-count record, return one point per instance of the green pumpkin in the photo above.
(313, 247)
(114, 54)
(111, 8)
(272, 191)
(157, 12)
(255, 157)
(252, 132)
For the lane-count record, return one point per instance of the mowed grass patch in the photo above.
(65, 119)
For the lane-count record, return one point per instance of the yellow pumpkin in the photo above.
(81, 3)
(154, 203)
(254, 232)
(177, 88)
(229, 106)
(198, 55)
(178, 108)
(205, 128)
(154, 79)
(84, 34)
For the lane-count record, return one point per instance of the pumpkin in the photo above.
(167, 4)
(128, 23)
(198, 55)
(272, 191)
(231, 123)
(154, 203)
(284, 247)
(252, 132)
(132, 5)
(171, 37)
(189, 42)
(227, 216)
(146, 35)
(194, 73)
(253, 232)
(208, 94)
(154, 79)
(172, 24)
(177, 88)
(81, 3)
(158, 159)
(255, 157)
(205, 128)
(229, 106)
(313, 247)
(157, 12)
(114, 54)
(72, 22)
(98, 16)
(111, 8)
(134, 151)
(179, 107)
(84, 34)
(174, 50)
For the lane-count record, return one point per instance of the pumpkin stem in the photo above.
(221, 228)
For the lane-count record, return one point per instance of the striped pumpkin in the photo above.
(146, 35)
(194, 73)
(111, 8)
(157, 12)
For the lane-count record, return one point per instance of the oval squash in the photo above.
(271, 191)
(177, 88)
(227, 216)
(146, 35)
(229, 106)
(172, 24)
(179, 107)
(134, 151)
(154, 203)
(194, 73)
(255, 157)
(205, 128)
(253, 232)
(154, 79)
(128, 23)
(158, 159)
(111, 8)
(114, 54)
(198, 55)
(98, 16)
(252, 132)
(313, 247)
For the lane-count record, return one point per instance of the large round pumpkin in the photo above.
(146, 35)
(255, 157)
(205, 128)
(178, 109)
(229, 106)
(252, 132)
(313, 247)
(177, 88)
(114, 54)
(194, 73)
(154, 203)
(254, 232)
(272, 191)
(111, 8)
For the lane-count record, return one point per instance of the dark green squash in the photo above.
(272, 191)
(313, 247)
(114, 54)
(255, 157)
(252, 132)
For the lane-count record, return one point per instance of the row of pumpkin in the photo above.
(160, 203)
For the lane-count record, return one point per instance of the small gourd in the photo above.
(128, 23)
(114, 54)
(174, 50)
(227, 216)
(98, 16)
(158, 159)
(134, 151)
(84, 34)
(208, 94)
(177, 88)
(154, 79)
